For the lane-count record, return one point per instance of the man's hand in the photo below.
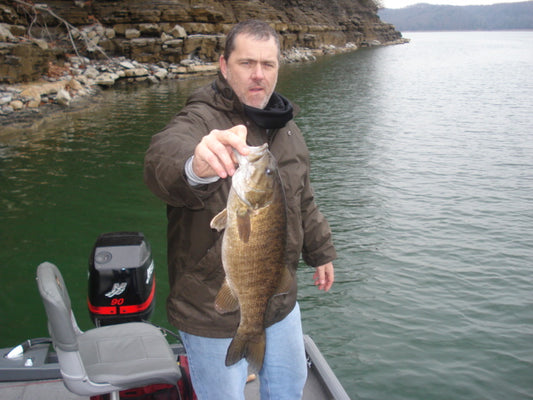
(324, 276)
(214, 154)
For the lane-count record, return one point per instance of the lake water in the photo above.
(423, 164)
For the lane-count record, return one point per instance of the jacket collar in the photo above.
(276, 114)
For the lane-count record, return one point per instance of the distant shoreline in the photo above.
(429, 18)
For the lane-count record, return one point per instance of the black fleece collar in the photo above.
(275, 115)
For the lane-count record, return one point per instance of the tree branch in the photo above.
(70, 28)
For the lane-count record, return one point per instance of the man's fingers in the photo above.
(237, 139)
(240, 131)
(222, 162)
(206, 163)
(324, 277)
(214, 154)
(318, 277)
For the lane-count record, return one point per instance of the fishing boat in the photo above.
(120, 301)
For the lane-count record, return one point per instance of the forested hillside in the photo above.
(428, 17)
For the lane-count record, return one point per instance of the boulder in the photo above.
(132, 33)
(149, 29)
(126, 64)
(5, 99)
(136, 72)
(34, 92)
(5, 34)
(161, 74)
(106, 79)
(110, 33)
(178, 32)
(63, 97)
(16, 105)
(91, 73)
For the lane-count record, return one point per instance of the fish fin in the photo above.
(219, 221)
(252, 348)
(285, 282)
(243, 225)
(226, 301)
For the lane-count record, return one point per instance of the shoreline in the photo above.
(76, 84)
(25, 106)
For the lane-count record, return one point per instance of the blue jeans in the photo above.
(284, 369)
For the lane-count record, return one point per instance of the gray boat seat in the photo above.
(104, 359)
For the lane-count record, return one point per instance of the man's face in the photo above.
(252, 69)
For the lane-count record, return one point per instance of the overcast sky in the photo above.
(404, 3)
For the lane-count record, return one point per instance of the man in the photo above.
(189, 165)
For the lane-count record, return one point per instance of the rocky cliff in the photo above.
(34, 37)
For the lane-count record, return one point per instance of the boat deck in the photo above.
(43, 390)
(55, 390)
(321, 383)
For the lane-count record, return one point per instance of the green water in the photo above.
(81, 175)
(423, 164)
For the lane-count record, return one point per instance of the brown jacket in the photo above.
(194, 262)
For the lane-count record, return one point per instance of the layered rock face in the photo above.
(170, 31)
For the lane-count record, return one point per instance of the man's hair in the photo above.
(259, 30)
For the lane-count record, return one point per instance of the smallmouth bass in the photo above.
(253, 251)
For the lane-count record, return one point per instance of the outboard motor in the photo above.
(121, 279)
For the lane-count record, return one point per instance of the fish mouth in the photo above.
(256, 152)
(240, 178)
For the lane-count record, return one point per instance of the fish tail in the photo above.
(250, 347)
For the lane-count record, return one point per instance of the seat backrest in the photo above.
(61, 322)
(90, 362)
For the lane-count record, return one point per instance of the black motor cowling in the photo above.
(121, 279)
